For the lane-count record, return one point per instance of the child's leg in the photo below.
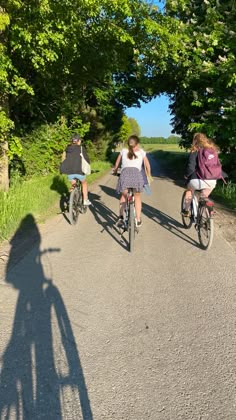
(123, 202)
(188, 199)
(138, 205)
(205, 192)
(84, 189)
(73, 183)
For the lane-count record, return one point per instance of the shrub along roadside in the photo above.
(174, 163)
(38, 196)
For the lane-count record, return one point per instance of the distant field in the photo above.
(163, 147)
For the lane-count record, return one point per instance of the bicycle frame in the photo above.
(196, 203)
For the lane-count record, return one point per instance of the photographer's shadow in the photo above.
(32, 385)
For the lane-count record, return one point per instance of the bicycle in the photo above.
(76, 205)
(129, 224)
(201, 213)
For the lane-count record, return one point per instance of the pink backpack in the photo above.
(208, 164)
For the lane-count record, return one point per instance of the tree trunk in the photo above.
(4, 105)
(4, 169)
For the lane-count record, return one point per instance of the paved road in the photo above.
(89, 331)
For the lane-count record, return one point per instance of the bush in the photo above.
(43, 147)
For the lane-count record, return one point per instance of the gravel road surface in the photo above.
(90, 332)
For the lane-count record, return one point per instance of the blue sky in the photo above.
(153, 117)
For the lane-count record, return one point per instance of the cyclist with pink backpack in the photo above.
(203, 168)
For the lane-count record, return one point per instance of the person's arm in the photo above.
(191, 165)
(147, 166)
(85, 154)
(117, 163)
(63, 155)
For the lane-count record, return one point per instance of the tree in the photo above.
(5, 123)
(125, 130)
(204, 98)
(135, 129)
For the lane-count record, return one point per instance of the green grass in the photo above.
(226, 194)
(162, 147)
(38, 196)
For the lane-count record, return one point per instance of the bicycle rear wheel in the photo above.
(187, 220)
(74, 206)
(205, 228)
(131, 227)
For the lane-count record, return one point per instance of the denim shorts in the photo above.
(76, 176)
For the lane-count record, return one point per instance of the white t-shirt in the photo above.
(132, 163)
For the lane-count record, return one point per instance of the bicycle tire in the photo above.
(74, 206)
(187, 221)
(131, 227)
(205, 228)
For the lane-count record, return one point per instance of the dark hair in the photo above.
(76, 137)
(131, 154)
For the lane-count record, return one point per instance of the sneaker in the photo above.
(87, 202)
(120, 222)
(138, 223)
(185, 213)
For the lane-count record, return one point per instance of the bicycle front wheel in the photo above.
(74, 206)
(131, 227)
(187, 220)
(205, 228)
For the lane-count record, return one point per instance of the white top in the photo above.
(132, 163)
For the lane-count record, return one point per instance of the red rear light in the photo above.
(209, 204)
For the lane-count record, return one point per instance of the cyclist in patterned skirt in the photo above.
(132, 160)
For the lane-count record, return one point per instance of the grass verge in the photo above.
(38, 196)
(162, 147)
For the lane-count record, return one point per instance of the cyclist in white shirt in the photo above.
(132, 160)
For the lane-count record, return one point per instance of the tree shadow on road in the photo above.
(106, 218)
(33, 383)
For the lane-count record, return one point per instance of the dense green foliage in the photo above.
(204, 98)
(68, 60)
(73, 59)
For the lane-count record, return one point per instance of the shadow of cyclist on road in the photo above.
(163, 219)
(33, 382)
(106, 218)
(168, 223)
(60, 186)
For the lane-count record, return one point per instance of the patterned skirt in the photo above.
(130, 178)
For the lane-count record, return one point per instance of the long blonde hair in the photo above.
(200, 140)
